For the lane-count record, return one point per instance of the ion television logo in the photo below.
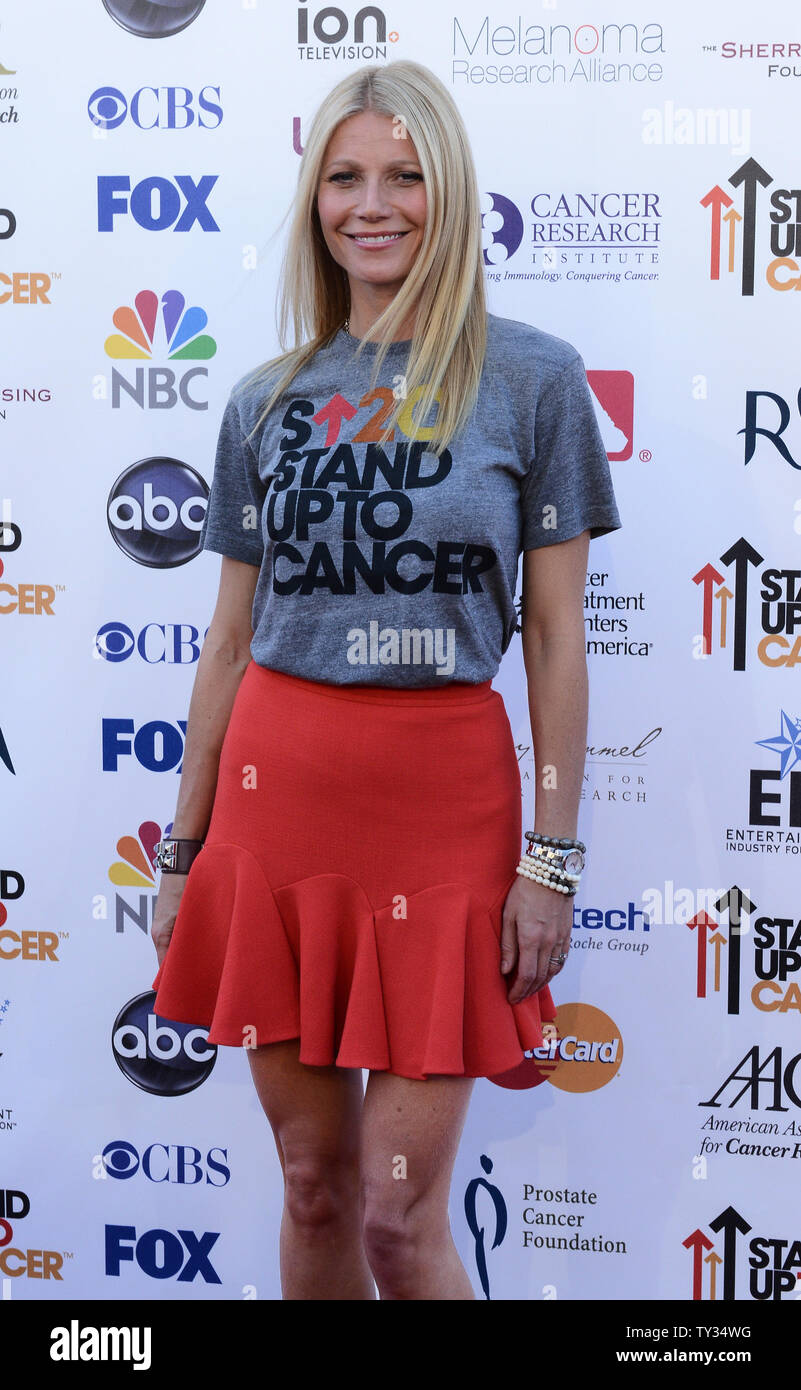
(156, 510)
(157, 1054)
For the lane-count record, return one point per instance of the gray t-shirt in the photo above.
(383, 564)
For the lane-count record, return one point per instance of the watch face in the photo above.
(574, 861)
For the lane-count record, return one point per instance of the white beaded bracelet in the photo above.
(539, 878)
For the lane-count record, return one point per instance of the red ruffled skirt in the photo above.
(350, 887)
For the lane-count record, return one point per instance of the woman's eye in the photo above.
(403, 174)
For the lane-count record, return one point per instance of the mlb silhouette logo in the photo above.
(613, 394)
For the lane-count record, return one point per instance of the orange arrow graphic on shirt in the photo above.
(337, 410)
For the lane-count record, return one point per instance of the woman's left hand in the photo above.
(537, 922)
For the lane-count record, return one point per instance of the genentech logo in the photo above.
(778, 620)
(134, 872)
(761, 238)
(327, 32)
(762, 956)
(771, 1264)
(583, 1051)
(152, 19)
(181, 338)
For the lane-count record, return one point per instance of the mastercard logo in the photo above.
(582, 1051)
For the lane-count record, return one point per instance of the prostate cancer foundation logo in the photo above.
(582, 1051)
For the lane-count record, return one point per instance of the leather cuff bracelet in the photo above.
(176, 856)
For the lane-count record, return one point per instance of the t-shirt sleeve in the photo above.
(568, 486)
(232, 524)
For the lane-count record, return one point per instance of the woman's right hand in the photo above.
(166, 910)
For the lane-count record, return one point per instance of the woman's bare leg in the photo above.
(315, 1113)
(410, 1137)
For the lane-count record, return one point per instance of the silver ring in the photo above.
(560, 960)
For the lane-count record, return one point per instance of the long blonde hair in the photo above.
(446, 281)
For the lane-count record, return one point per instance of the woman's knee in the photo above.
(397, 1233)
(319, 1189)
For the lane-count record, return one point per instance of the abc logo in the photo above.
(156, 510)
(159, 1055)
(152, 19)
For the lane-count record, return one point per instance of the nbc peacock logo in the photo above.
(134, 872)
(167, 329)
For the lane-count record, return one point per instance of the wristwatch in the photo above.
(571, 860)
(176, 856)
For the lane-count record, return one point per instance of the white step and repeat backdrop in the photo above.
(642, 198)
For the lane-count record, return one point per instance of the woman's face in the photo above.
(370, 184)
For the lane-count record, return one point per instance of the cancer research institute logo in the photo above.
(760, 240)
(580, 236)
(779, 611)
(773, 1267)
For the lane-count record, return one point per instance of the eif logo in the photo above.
(773, 1265)
(761, 237)
(171, 329)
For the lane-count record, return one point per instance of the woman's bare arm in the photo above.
(537, 920)
(221, 665)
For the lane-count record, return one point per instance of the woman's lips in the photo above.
(375, 241)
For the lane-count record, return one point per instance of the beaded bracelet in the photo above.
(549, 881)
(548, 862)
(536, 837)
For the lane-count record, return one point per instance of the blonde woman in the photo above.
(342, 892)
